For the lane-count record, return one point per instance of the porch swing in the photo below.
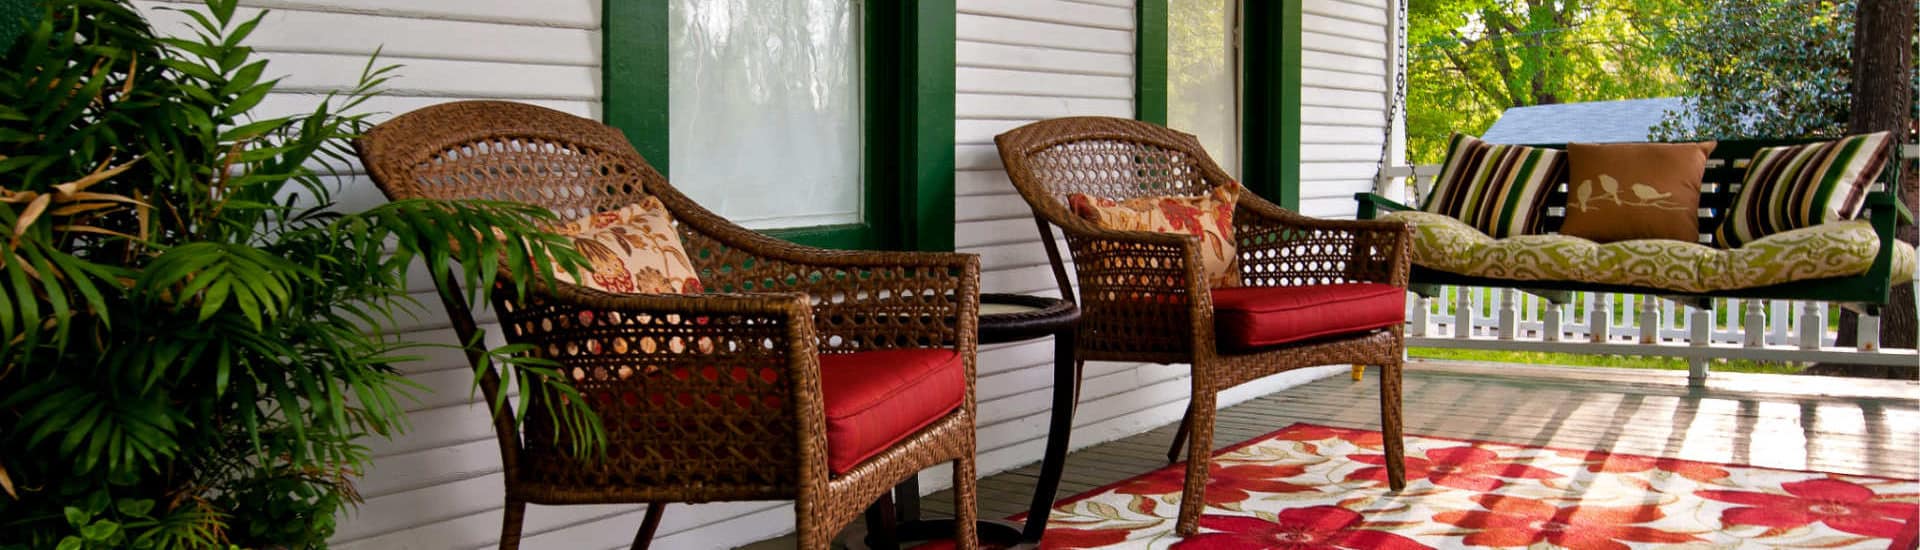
(1852, 263)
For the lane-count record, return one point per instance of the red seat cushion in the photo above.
(1256, 317)
(877, 398)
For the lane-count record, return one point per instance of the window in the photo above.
(825, 122)
(1203, 76)
(1244, 103)
(766, 109)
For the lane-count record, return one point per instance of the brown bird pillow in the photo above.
(1626, 191)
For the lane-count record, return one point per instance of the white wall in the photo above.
(1343, 93)
(439, 485)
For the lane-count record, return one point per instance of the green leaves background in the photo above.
(192, 338)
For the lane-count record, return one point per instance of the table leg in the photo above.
(906, 499)
(882, 525)
(1066, 398)
(895, 518)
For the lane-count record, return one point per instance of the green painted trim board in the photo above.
(633, 78)
(1270, 128)
(1150, 61)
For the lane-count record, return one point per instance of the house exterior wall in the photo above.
(1343, 98)
(439, 486)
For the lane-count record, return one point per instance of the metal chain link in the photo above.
(1396, 101)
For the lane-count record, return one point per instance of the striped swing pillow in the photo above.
(1499, 189)
(1798, 186)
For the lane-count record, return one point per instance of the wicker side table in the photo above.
(1004, 318)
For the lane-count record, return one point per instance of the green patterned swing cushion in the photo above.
(1835, 249)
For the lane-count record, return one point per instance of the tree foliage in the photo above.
(1471, 60)
(1762, 68)
(191, 338)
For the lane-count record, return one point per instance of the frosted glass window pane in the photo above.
(1203, 77)
(765, 99)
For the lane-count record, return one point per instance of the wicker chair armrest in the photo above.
(1140, 291)
(1372, 205)
(1278, 247)
(710, 304)
(667, 374)
(860, 299)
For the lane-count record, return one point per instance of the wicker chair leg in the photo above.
(1180, 434)
(813, 522)
(1390, 424)
(1193, 499)
(643, 538)
(965, 497)
(510, 520)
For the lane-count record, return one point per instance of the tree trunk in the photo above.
(1883, 100)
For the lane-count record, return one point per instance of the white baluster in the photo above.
(1600, 317)
(1778, 316)
(1869, 334)
(1462, 312)
(1420, 320)
(1551, 327)
(1756, 331)
(1811, 324)
(1509, 315)
(1700, 327)
(1649, 320)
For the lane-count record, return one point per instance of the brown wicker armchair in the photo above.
(704, 397)
(1143, 297)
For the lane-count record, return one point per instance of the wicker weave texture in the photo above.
(707, 397)
(1143, 296)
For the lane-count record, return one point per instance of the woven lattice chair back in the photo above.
(509, 152)
(678, 427)
(1104, 157)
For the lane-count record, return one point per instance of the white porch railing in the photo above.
(1630, 324)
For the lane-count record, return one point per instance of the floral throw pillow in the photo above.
(1208, 216)
(631, 250)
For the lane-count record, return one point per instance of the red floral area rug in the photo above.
(1310, 486)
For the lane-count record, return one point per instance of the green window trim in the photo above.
(1150, 61)
(1270, 110)
(908, 50)
(1270, 81)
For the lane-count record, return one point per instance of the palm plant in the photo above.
(191, 333)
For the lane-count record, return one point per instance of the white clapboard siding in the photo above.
(1343, 97)
(1027, 60)
(438, 486)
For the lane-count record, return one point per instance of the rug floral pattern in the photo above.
(1312, 486)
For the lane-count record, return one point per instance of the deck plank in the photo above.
(1839, 425)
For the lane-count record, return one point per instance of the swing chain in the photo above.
(1397, 101)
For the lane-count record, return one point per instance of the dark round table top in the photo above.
(1015, 317)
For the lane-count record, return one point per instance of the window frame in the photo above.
(907, 79)
(1269, 90)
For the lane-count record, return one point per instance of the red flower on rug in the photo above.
(1485, 494)
(1312, 527)
(1466, 467)
(1605, 462)
(1516, 521)
(1841, 505)
(1225, 484)
(1359, 438)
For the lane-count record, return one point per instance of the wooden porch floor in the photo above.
(1840, 425)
